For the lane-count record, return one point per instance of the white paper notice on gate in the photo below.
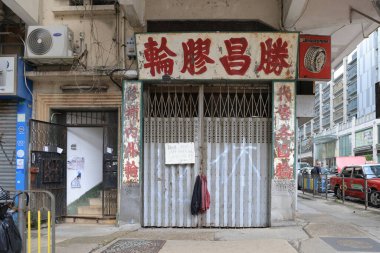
(179, 153)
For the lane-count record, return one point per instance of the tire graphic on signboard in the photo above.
(315, 59)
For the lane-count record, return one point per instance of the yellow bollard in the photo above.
(39, 232)
(48, 228)
(29, 234)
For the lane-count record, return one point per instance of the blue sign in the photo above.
(24, 113)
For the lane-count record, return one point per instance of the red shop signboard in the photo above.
(315, 57)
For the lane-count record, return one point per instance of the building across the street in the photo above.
(346, 109)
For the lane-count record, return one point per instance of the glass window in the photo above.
(358, 172)
(372, 171)
(363, 138)
(345, 145)
(347, 172)
(330, 149)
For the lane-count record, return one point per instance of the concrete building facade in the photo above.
(100, 132)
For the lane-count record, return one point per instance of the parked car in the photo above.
(302, 165)
(354, 182)
(303, 172)
(306, 173)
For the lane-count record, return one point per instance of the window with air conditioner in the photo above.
(49, 41)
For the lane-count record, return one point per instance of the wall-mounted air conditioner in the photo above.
(8, 72)
(49, 42)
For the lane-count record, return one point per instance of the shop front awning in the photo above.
(363, 149)
(325, 139)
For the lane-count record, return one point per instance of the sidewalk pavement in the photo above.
(321, 226)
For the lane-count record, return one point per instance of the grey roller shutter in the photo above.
(8, 116)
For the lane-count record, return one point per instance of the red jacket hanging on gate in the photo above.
(205, 195)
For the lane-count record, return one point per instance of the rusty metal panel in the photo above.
(238, 56)
(238, 171)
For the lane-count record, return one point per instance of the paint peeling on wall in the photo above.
(280, 186)
(131, 132)
(284, 136)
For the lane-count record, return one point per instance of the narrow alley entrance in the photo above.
(76, 159)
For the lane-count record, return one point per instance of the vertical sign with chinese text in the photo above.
(210, 56)
(131, 131)
(283, 128)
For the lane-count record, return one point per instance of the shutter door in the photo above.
(236, 125)
(8, 115)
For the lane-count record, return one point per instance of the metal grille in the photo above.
(237, 139)
(237, 102)
(8, 114)
(49, 173)
(237, 135)
(86, 118)
(171, 102)
(49, 167)
(170, 116)
(235, 115)
(109, 202)
(46, 136)
(237, 130)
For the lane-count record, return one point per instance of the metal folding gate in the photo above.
(231, 129)
(49, 166)
(8, 116)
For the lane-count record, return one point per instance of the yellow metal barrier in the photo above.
(48, 228)
(49, 243)
(29, 233)
(39, 232)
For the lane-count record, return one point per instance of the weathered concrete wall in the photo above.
(305, 106)
(130, 204)
(283, 200)
(98, 29)
(267, 11)
(131, 166)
